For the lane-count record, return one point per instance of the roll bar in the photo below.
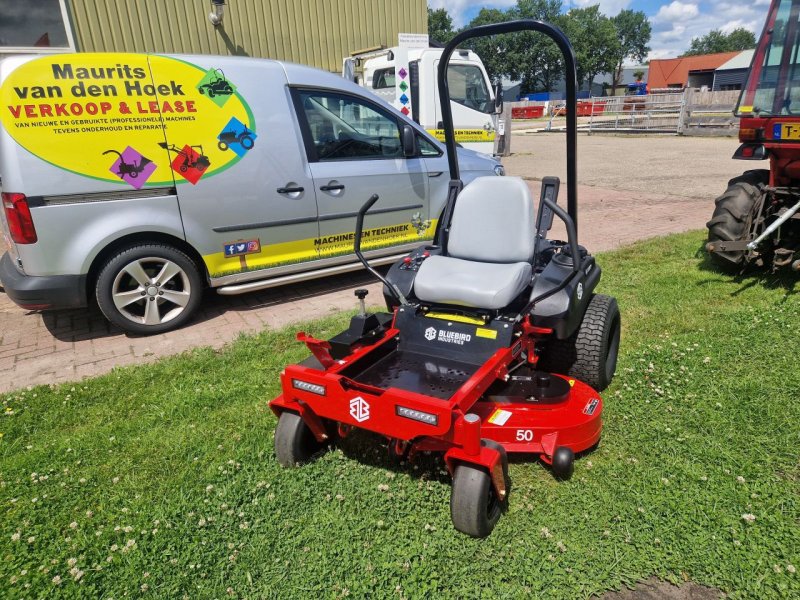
(570, 76)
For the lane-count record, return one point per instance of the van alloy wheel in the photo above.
(151, 291)
(149, 288)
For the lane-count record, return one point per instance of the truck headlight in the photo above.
(499, 170)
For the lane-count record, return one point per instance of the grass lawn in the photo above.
(160, 480)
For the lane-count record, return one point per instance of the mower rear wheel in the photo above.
(475, 507)
(589, 354)
(295, 444)
(733, 214)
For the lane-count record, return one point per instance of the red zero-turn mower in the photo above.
(496, 342)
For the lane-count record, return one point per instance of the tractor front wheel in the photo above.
(733, 215)
(295, 444)
(475, 507)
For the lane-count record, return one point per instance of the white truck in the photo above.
(406, 78)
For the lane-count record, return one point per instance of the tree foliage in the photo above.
(440, 25)
(633, 34)
(716, 41)
(594, 38)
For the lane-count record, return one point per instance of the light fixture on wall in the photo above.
(217, 12)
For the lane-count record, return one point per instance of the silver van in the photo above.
(140, 179)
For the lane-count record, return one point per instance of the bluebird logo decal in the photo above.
(359, 409)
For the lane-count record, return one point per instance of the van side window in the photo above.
(426, 148)
(383, 79)
(342, 127)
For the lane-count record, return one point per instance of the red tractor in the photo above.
(756, 220)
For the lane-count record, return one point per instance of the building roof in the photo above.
(675, 71)
(740, 61)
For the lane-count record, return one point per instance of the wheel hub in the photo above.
(152, 290)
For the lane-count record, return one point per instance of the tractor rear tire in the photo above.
(295, 444)
(589, 354)
(732, 214)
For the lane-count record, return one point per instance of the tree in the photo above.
(594, 38)
(440, 25)
(494, 51)
(633, 34)
(534, 58)
(716, 41)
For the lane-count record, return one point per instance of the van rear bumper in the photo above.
(42, 293)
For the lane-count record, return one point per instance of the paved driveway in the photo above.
(634, 188)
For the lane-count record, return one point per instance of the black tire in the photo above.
(733, 214)
(563, 463)
(295, 444)
(175, 298)
(474, 505)
(589, 354)
(246, 141)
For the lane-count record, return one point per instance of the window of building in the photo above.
(40, 26)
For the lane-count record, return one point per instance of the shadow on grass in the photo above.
(749, 277)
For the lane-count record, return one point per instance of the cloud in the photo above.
(737, 24)
(676, 11)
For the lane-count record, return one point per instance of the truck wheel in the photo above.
(733, 213)
(295, 444)
(246, 141)
(222, 145)
(474, 505)
(149, 288)
(589, 354)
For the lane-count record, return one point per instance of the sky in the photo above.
(674, 22)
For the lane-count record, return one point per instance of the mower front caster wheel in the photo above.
(475, 507)
(563, 462)
(295, 444)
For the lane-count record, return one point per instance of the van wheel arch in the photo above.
(140, 238)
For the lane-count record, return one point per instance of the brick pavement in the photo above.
(61, 346)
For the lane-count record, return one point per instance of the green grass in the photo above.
(702, 426)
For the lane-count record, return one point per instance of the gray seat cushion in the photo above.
(448, 280)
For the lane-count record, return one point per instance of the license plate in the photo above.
(786, 131)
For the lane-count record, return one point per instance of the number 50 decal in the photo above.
(524, 435)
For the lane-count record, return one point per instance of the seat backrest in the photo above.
(493, 221)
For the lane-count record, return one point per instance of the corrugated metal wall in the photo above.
(314, 32)
(729, 77)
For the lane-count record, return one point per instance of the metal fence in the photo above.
(687, 112)
(654, 113)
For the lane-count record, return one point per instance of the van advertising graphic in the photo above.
(107, 116)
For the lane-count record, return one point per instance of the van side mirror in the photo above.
(498, 98)
(409, 140)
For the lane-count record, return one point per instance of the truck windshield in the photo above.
(773, 84)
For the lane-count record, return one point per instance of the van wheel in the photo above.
(149, 288)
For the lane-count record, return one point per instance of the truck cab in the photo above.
(471, 93)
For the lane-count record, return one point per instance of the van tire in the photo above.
(149, 288)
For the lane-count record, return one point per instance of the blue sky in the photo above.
(674, 22)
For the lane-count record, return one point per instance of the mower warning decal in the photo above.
(132, 119)
(500, 417)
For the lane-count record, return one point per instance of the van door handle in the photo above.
(434, 173)
(331, 188)
(290, 190)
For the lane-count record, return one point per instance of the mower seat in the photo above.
(489, 250)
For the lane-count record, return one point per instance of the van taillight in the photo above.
(18, 215)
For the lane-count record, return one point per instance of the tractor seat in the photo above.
(489, 250)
